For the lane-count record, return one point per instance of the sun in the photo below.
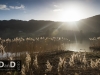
(70, 15)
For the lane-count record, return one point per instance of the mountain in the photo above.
(91, 24)
(95, 18)
(13, 28)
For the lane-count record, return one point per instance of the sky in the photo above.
(55, 10)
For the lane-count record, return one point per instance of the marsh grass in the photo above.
(38, 44)
(48, 56)
(95, 43)
(58, 63)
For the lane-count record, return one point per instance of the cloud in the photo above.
(57, 10)
(55, 5)
(17, 7)
(3, 7)
(20, 7)
(12, 7)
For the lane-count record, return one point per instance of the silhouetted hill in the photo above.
(91, 24)
(13, 28)
(95, 18)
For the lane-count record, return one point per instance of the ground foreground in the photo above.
(59, 63)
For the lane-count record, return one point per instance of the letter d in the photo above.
(12, 64)
(1, 64)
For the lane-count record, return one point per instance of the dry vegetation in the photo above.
(47, 56)
(39, 44)
(95, 43)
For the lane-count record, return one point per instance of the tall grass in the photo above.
(45, 56)
(95, 43)
(38, 44)
(75, 65)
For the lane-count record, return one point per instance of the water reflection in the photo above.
(80, 46)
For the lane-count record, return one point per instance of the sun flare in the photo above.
(70, 15)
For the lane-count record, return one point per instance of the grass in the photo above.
(53, 60)
(48, 56)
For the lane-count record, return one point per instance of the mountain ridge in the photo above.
(89, 26)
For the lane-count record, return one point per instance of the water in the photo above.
(80, 46)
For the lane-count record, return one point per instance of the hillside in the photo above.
(13, 28)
